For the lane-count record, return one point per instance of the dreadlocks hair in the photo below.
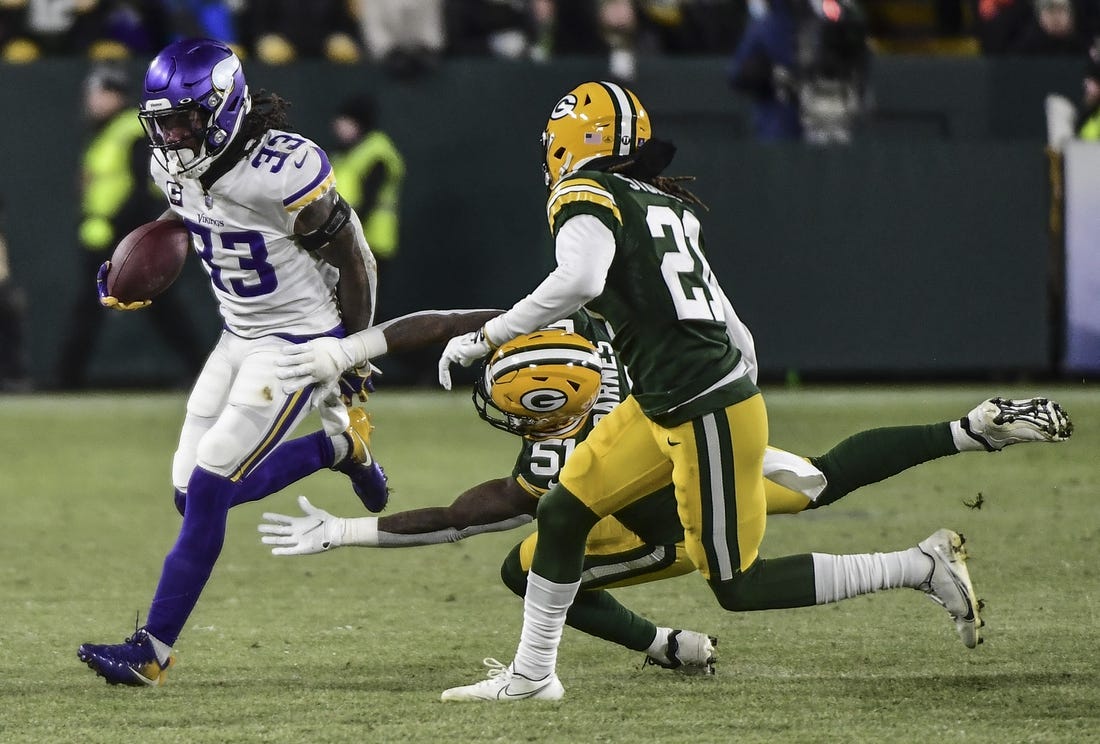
(269, 111)
(671, 185)
(646, 165)
(668, 184)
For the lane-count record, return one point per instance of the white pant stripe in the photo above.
(717, 501)
(600, 573)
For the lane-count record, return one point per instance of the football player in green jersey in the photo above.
(551, 387)
(629, 247)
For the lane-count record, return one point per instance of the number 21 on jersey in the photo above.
(688, 276)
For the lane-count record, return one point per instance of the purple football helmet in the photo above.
(193, 104)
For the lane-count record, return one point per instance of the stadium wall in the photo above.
(922, 250)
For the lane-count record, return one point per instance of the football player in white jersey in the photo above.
(287, 261)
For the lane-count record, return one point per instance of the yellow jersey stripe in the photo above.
(312, 195)
(526, 486)
(581, 190)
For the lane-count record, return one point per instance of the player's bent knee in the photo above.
(512, 573)
(561, 515)
(218, 452)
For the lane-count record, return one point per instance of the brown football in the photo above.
(148, 260)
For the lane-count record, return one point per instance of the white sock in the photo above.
(838, 577)
(544, 608)
(659, 648)
(160, 648)
(340, 448)
(963, 441)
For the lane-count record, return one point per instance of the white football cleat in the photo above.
(505, 685)
(948, 584)
(687, 652)
(999, 422)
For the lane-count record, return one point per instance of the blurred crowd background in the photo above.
(938, 137)
(348, 31)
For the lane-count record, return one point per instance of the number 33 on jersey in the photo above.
(263, 280)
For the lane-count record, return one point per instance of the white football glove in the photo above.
(316, 532)
(321, 360)
(465, 350)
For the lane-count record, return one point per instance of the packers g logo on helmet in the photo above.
(541, 384)
(594, 120)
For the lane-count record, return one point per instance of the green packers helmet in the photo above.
(594, 120)
(539, 385)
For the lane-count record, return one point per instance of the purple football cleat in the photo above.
(132, 662)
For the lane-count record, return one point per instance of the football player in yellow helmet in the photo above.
(636, 547)
(542, 384)
(629, 245)
(592, 121)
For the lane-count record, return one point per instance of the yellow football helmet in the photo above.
(541, 384)
(593, 120)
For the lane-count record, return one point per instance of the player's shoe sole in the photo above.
(999, 422)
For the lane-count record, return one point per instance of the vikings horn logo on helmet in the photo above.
(195, 86)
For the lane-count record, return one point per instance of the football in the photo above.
(146, 261)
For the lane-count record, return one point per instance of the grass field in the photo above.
(357, 644)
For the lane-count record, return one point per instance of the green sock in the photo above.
(599, 614)
(877, 454)
(564, 522)
(770, 584)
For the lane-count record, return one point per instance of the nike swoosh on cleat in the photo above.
(529, 693)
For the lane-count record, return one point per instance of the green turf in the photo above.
(357, 644)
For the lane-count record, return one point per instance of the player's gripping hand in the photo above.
(355, 384)
(464, 350)
(106, 299)
(320, 360)
(316, 532)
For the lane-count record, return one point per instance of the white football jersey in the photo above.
(241, 229)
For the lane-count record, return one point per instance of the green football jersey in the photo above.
(660, 297)
(652, 518)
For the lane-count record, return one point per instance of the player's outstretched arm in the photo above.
(493, 506)
(323, 360)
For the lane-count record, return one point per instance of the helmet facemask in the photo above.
(194, 104)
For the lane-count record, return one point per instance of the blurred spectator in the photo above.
(128, 27)
(765, 68)
(47, 27)
(833, 67)
(689, 26)
(1058, 27)
(116, 197)
(999, 24)
(280, 31)
(369, 172)
(13, 322)
(1040, 27)
(619, 24)
(406, 36)
(567, 28)
(502, 28)
(1088, 115)
(575, 28)
(209, 19)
